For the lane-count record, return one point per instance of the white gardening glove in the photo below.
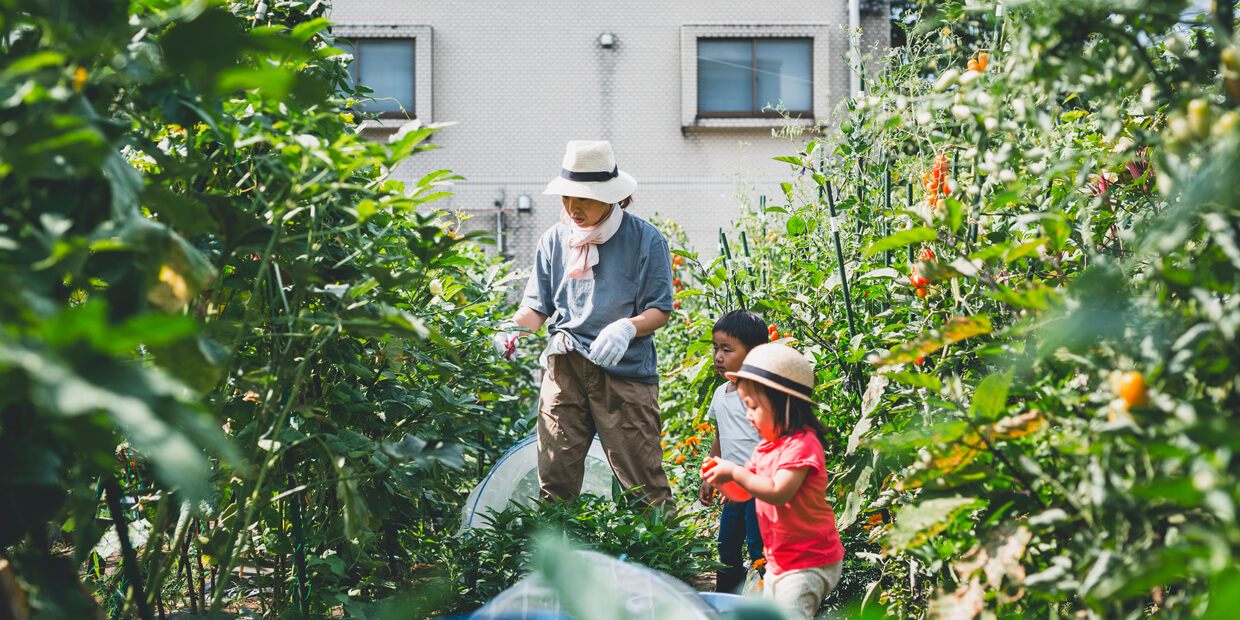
(505, 340)
(612, 342)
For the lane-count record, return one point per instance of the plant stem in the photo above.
(129, 559)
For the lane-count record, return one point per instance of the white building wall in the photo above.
(523, 78)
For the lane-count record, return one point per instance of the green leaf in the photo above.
(273, 82)
(928, 436)
(917, 379)
(126, 183)
(990, 398)
(418, 451)
(926, 519)
(1025, 249)
(916, 234)
(1037, 297)
(956, 329)
(184, 212)
(885, 273)
(352, 505)
(796, 226)
(303, 31)
(34, 62)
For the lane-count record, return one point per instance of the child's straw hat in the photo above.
(778, 367)
(590, 171)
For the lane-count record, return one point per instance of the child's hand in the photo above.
(706, 494)
(719, 473)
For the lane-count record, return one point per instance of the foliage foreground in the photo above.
(237, 360)
(1029, 352)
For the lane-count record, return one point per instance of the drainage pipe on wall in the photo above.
(854, 43)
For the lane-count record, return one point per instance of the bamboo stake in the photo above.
(839, 257)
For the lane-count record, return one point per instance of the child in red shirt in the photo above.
(787, 474)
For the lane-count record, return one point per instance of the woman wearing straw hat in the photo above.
(788, 475)
(605, 277)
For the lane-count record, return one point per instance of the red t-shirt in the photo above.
(801, 533)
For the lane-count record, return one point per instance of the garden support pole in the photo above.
(887, 208)
(839, 257)
(727, 258)
(301, 592)
(909, 247)
(762, 208)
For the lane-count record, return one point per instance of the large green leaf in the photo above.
(917, 234)
(990, 397)
(925, 519)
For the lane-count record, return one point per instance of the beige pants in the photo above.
(583, 400)
(798, 593)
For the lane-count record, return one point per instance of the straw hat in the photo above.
(590, 171)
(778, 367)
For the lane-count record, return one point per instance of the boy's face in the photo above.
(729, 352)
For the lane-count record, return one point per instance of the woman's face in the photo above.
(585, 212)
(758, 409)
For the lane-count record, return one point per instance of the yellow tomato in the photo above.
(1132, 389)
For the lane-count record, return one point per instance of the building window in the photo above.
(387, 67)
(751, 77)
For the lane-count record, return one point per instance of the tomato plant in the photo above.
(1074, 198)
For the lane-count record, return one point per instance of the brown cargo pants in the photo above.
(582, 400)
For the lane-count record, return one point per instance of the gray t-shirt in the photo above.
(737, 437)
(633, 274)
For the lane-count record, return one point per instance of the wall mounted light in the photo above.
(607, 39)
(524, 203)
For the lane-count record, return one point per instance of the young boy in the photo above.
(734, 334)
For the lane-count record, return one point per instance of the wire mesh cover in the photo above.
(515, 478)
(631, 590)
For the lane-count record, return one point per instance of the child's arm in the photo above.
(705, 494)
(776, 491)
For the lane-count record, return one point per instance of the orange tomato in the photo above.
(788, 335)
(709, 463)
(676, 305)
(920, 360)
(1132, 389)
(981, 61)
(921, 292)
(973, 66)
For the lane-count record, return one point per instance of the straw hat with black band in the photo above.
(779, 367)
(590, 171)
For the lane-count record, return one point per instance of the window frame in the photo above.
(823, 75)
(755, 111)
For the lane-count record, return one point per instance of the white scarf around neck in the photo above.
(581, 255)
